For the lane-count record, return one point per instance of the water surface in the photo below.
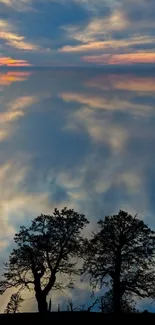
(78, 138)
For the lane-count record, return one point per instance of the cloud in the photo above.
(114, 136)
(22, 103)
(19, 5)
(18, 42)
(110, 104)
(7, 78)
(111, 36)
(9, 62)
(14, 110)
(97, 28)
(126, 58)
(75, 27)
(110, 181)
(90, 5)
(13, 39)
(144, 12)
(123, 82)
(108, 44)
(3, 134)
(14, 201)
(88, 151)
(114, 34)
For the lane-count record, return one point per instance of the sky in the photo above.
(76, 32)
(81, 138)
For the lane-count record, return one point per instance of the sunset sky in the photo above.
(76, 32)
(80, 137)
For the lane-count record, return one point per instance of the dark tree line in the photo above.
(119, 256)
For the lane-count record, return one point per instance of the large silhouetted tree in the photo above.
(120, 255)
(45, 250)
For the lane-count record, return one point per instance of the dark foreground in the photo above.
(74, 317)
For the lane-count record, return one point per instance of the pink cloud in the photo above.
(125, 58)
(9, 62)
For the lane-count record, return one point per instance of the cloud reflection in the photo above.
(78, 138)
(9, 77)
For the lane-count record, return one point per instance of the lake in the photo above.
(81, 138)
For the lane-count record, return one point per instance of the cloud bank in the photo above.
(76, 33)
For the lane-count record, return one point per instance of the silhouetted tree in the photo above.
(90, 307)
(120, 256)
(14, 304)
(58, 308)
(71, 307)
(106, 304)
(47, 248)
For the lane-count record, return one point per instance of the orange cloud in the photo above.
(13, 76)
(107, 44)
(126, 58)
(9, 62)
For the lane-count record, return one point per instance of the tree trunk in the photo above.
(40, 295)
(42, 304)
(116, 299)
(116, 284)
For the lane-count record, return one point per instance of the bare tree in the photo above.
(71, 307)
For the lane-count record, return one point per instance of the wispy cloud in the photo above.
(113, 27)
(13, 111)
(125, 58)
(116, 33)
(98, 28)
(108, 104)
(10, 62)
(109, 44)
(13, 39)
(19, 5)
(122, 82)
(22, 102)
(17, 41)
(14, 200)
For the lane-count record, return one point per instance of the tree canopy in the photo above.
(127, 305)
(121, 256)
(46, 249)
